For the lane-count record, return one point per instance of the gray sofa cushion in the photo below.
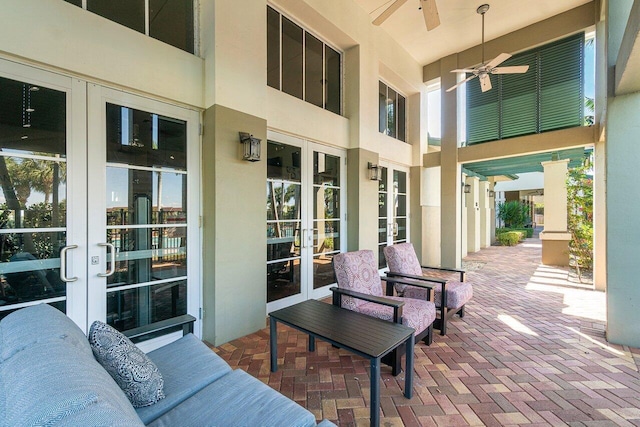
(134, 372)
(53, 382)
(38, 324)
(237, 399)
(187, 366)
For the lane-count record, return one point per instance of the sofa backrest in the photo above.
(48, 374)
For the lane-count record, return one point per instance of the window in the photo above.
(549, 96)
(392, 112)
(302, 65)
(170, 21)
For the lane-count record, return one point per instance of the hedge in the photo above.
(510, 238)
(526, 231)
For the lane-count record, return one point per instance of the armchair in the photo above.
(451, 294)
(360, 289)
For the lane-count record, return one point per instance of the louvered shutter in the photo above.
(561, 84)
(519, 106)
(483, 112)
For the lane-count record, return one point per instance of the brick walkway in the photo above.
(530, 351)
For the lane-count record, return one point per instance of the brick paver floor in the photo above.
(530, 351)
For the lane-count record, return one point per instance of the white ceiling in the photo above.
(460, 26)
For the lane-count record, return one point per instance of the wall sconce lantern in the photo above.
(251, 147)
(467, 188)
(375, 172)
(492, 193)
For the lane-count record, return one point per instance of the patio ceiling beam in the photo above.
(582, 136)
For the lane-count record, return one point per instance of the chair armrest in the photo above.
(393, 280)
(454, 270)
(396, 305)
(391, 274)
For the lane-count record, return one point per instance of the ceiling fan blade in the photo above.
(463, 70)
(517, 69)
(498, 60)
(460, 83)
(388, 12)
(430, 12)
(485, 82)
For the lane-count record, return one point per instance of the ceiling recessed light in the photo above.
(34, 89)
(30, 110)
(26, 125)
(24, 137)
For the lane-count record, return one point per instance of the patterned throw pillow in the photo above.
(134, 372)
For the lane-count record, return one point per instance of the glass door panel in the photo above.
(326, 216)
(143, 237)
(284, 220)
(393, 209)
(33, 201)
(305, 218)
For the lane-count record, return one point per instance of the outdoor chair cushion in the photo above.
(402, 258)
(357, 271)
(187, 366)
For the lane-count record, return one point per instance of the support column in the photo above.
(555, 236)
(485, 215)
(473, 214)
(450, 169)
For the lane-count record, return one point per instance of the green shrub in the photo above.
(510, 238)
(528, 232)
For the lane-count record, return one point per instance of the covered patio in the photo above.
(530, 351)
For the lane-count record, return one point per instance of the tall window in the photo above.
(302, 65)
(170, 21)
(392, 112)
(549, 96)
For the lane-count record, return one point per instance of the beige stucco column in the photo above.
(485, 214)
(464, 241)
(473, 214)
(555, 236)
(451, 201)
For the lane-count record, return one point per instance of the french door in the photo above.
(99, 205)
(305, 218)
(393, 208)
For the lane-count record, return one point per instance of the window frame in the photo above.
(397, 126)
(147, 23)
(325, 45)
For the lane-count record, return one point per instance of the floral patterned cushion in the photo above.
(357, 271)
(402, 258)
(458, 293)
(134, 372)
(417, 314)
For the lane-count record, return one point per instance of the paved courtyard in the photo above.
(530, 351)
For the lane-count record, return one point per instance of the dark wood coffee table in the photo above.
(363, 335)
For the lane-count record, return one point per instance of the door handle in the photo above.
(63, 264)
(395, 229)
(112, 259)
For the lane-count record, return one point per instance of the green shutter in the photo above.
(519, 107)
(483, 112)
(561, 84)
(549, 96)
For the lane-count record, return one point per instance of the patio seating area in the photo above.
(529, 351)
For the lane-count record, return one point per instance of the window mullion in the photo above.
(147, 24)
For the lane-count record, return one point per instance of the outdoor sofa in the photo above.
(49, 375)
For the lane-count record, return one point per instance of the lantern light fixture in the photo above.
(251, 147)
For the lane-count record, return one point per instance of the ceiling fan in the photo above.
(484, 70)
(429, 11)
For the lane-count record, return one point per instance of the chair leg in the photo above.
(428, 339)
(443, 320)
(461, 311)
